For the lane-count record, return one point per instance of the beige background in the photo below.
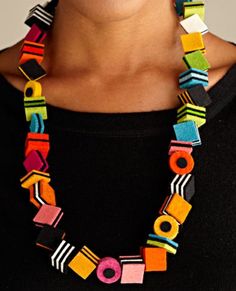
(220, 17)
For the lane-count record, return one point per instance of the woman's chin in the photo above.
(108, 10)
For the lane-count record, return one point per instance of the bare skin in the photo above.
(116, 58)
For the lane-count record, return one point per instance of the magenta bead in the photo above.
(35, 161)
(111, 265)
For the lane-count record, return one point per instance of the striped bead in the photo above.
(184, 185)
(162, 242)
(84, 262)
(36, 34)
(36, 123)
(31, 50)
(35, 105)
(42, 193)
(33, 177)
(176, 145)
(195, 7)
(193, 77)
(38, 15)
(37, 141)
(61, 256)
(196, 95)
(192, 112)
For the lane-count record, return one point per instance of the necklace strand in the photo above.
(176, 207)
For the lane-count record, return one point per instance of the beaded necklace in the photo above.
(176, 207)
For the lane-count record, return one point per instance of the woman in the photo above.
(111, 86)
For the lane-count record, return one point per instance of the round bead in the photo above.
(108, 270)
(33, 89)
(181, 162)
(166, 226)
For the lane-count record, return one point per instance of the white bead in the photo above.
(194, 24)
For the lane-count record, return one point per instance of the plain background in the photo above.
(220, 18)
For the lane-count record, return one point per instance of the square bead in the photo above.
(42, 193)
(194, 7)
(62, 255)
(32, 70)
(187, 131)
(48, 215)
(50, 237)
(184, 185)
(192, 42)
(33, 177)
(179, 6)
(31, 50)
(84, 262)
(178, 208)
(35, 161)
(193, 77)
(36, 34)
(194, 24)
(37, 141)
(196, 95)
(196, 60)
(192, 112)
(155, 259)
(38, 15)
(35, 105)
(176, 145)
(133, 269)
(162, 242)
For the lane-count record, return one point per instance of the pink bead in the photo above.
(36, 34)
(176, 145)
(133, 269)
(108, 270)
(35, 161)
(48, 215)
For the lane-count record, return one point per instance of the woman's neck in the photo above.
(111, 46)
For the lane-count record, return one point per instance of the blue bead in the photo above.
(163, 239)
(179, 6)
(187, 131)
(193, 77)
(37, 123)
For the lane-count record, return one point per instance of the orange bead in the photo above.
(37, 141)
(181, 162)
(41, 193)
(166, 226)
(155, 259)
(178, 208)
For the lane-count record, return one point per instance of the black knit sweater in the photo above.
(110, 173)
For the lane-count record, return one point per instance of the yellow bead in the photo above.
(166, 226)
(33, 89)
(192, 42)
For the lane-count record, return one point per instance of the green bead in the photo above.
(35, 105)
(196, 7)
(196, 60)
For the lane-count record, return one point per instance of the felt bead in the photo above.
(179, 6)
(42, 193)
(192, 112)
(192, 42)
(196, 60)
(187, 131)
(155, 259)
(176, 145)
(181, 163)
(193, 77)
(84, 262)
(34, 177)
(166, 226)
(38, 15)
(194, 23)
(178, 208)
(195, 7)
(133, 269)
(35, 105)
(33, 89)
(36, 34)
(37, 141)
(184, 185)
(162, 242)
(108, 270)
(48, 215)
(50, 237)
(36, 123)
(32, 70)
(35, 161)
(50, 6)
(196, 95)
(62, 256)
(162, 209)
(31, 50)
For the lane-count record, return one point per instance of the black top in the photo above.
(110, 173)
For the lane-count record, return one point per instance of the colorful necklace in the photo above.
(176, 207)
